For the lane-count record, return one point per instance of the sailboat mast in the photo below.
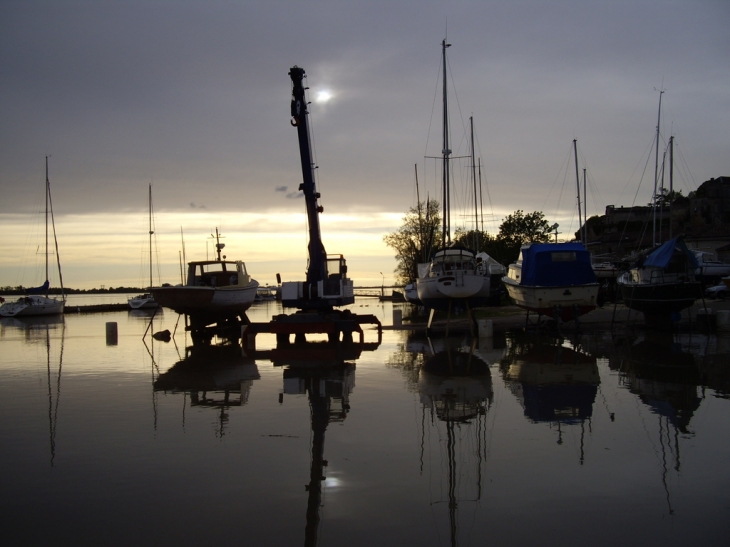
(474, 181)
(151, 232)
(445, 154)
(585, 210)
(671, 180)
(656, 165)
(577, 183)
(47, 191)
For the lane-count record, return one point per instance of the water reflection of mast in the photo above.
(665, 378)
(53, 406)
(457, 386)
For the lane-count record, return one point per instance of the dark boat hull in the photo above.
(661, 298)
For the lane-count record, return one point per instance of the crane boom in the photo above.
(316, 270)
(326, 282)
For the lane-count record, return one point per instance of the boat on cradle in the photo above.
(267, 293)
(410, 293)
(36, 301)
(455, 274)
(606, 270)
(710, 269)
(215, 291)
(663, 282)
(146, 301)
(553, 279)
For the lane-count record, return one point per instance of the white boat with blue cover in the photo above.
(553, 279)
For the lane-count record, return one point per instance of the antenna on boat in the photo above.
(218, 245)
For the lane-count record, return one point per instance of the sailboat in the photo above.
(146, 300)
(663, 282)
(36, 301)
(454, 272)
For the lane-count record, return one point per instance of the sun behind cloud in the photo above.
(323, 95)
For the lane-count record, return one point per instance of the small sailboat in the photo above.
(36, 301)
(146, 301)
(663, 282)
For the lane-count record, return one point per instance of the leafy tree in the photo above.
(665, 197)
(518, 229)
(415, 239)
(479, 242)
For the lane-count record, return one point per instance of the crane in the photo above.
(327, 284)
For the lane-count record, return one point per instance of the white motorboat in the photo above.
(215, 291)
(37, 301)
(553, 279)
(710, 268)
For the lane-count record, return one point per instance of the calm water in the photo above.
(527, 440)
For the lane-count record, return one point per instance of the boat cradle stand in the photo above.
(338, 325)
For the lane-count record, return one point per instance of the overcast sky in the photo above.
(194, 98)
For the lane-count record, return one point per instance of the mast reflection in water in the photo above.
(454, 384)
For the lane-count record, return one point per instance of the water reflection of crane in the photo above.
(216, 376)
(554, 383)
(455, 391)
(327, 380)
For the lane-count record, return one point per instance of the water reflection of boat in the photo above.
(554, 383)
(663, 376)
(454, 385)
(666, 379)
(212, 376)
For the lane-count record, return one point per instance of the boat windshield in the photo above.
(449, 263)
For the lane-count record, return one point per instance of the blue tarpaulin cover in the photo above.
(660, 257)
(556, 265)
(38, 290)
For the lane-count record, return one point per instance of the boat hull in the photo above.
(660, 298)
(207, 304)
(459, 287)
(559, 302)
(143, 302)
(32, 305)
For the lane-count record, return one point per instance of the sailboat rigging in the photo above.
(146, 300)
(454, 273)
(37, 301)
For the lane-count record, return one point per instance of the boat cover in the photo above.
(38, 290)
(660, 257)
(556, 265)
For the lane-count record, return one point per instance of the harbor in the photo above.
(435, 274)
(452, 434)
